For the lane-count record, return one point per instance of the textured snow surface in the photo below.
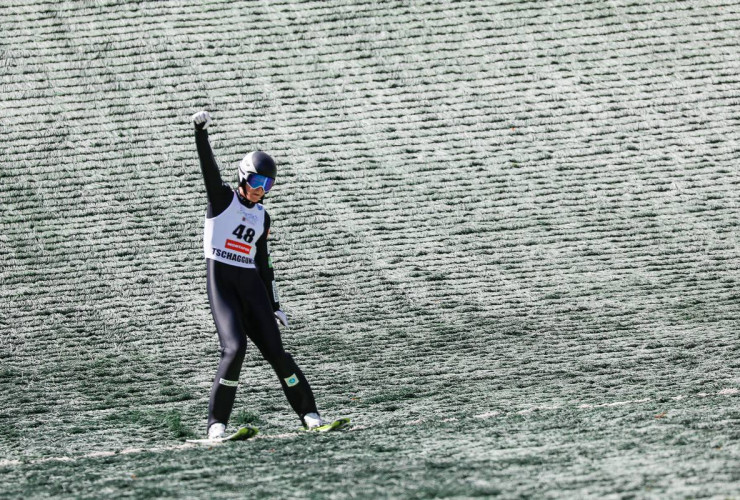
(505, 234)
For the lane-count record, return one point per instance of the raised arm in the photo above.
(219, 193)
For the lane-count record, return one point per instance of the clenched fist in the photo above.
(201, 119)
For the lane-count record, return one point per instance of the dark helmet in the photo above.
(257, 162)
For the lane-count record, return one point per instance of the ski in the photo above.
(339, 423)
(240, 435)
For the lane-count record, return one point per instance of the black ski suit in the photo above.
(242, 304)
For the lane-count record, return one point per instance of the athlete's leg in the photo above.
(227, 312)
(263, 331)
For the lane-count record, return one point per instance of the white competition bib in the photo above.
(231, 237)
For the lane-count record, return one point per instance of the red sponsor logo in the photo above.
(238, 247)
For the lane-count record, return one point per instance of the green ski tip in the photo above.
(336, 425)
(240, 435)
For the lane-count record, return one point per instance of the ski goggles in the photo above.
(257, 181)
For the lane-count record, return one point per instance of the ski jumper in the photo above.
(242, 292)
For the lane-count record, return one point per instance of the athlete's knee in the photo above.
(276, 357)
(234, 351)
(280, 360)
